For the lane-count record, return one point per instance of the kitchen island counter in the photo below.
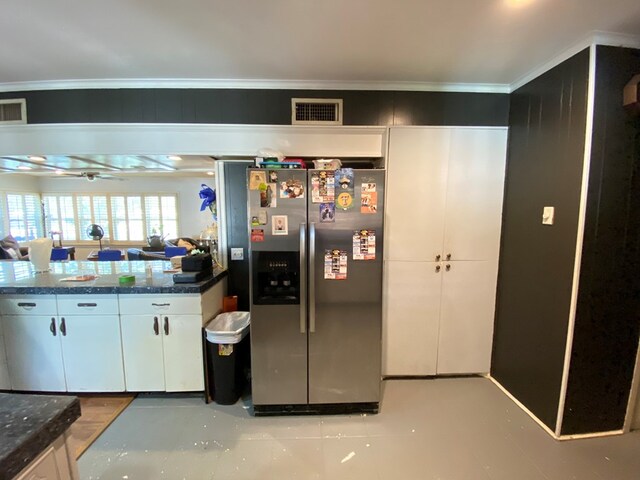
(19, 278)
(30, 423)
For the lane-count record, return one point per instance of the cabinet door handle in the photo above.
(63, 327)
(156, 327)
(447, 267)
(438, 258)
(52, 326)
(166, 325)
(161, 304)
(438, 268)
(448, 256)
(87, 304)
(26, 304)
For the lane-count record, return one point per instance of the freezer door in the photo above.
(345, 316)
(278, 331)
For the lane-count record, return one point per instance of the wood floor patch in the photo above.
(97, 414)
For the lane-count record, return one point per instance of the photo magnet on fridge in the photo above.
(256, 179)
(327, 212)
(344, 180)
(268, 197)
(279, 225)
(291, 188)
(257, 235)
(344, 201)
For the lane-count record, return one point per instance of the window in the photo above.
(123, 217)
(21, 215)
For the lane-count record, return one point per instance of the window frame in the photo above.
(80, 237)
(5, 220)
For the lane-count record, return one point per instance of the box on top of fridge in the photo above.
(327, 164)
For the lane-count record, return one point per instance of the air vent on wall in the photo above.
(316, 111)
(13, 111)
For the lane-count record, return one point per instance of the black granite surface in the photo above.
(18, 277)
(30, 423)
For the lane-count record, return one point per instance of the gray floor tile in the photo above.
(445, 429)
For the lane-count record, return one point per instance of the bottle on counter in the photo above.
(148, 271)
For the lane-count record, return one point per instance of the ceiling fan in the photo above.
(90, 176)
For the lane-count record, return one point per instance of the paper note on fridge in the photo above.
(335, 264)
(364, 245)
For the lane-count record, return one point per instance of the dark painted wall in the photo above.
(544, 168)
(235, 182)
(608, 315)
(260, 107)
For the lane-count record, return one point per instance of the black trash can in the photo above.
(227, 342)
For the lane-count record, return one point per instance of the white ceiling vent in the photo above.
(13, 111)
(316, 111)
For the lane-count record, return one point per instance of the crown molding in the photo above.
(187, 83)
(594, 38)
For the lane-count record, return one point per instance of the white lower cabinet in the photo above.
(412, 311)
(5, 383)
(466, 317)
(34, 353)
(163, 352)
(92, 353)
(439, 317)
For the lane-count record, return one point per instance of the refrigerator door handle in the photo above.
(312, 277)
(303, 278)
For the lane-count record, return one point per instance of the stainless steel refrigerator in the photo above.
(316, 289)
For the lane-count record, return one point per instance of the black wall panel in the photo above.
(608, 315)
(544, 168)
(260, 107)
(235, 182)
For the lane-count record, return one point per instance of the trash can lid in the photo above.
(229, 323)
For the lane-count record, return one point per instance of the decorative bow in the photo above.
(208, 196)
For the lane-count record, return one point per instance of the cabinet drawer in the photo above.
(162, 304)
(87, 304)
(28, 305)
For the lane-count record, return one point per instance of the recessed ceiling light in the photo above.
(24, 167)
(517, 3)
(209, 173)
(174, 158)
(36, 158)
(59, 172)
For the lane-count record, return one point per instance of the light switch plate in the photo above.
(237, 254)
(547, 215)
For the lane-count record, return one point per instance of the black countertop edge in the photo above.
(41, 431)
(199, 287)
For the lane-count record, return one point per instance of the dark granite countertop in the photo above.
(29, 423)
(19, 278)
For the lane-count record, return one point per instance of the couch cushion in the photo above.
(12, 246)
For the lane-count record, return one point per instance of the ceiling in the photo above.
(107, 166)
(461, 42)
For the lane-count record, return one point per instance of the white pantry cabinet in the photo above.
(443, 221)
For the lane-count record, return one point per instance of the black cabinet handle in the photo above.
(161, 304)
(448, 267)
(52, 326)
(26, 304)
(63, 327)
(166, 325)
(87, 304)
(156, 327)
(437, 268)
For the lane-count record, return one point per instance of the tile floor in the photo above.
(463, 429)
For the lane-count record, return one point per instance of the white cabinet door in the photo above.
(92, 353)
(5, 383)
(34, 354)
(466, 317)
(416, 192)
(183, 367)
(475, 186)
(412, 312)
(142, 352)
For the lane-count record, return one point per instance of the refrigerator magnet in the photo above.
(368, 187)
(369, 202)
(262, 217)
(327, 212)
(291, 189)
(344, 178)
(335, 264)
(256, 179)
(257, 235)
(268, 198)
(279, 225)
(344, 200)
(364, 245)
(273, 176)
(322, 187)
